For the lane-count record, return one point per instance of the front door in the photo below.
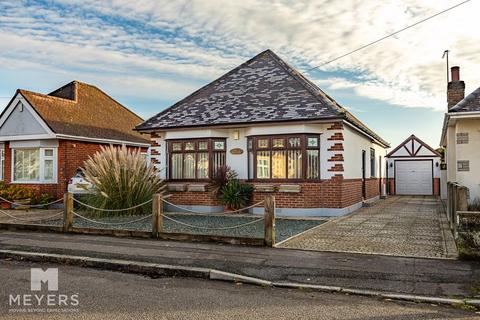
(364, 161)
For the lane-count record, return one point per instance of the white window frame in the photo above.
(42, 179)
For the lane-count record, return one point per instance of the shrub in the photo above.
(122, 178)
(236, 195)
(16, 192)
(222, 177)
(42, 198)
(474, 205)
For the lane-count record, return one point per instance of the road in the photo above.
(114, 295)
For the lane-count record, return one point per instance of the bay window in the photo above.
(195, 159)
(34, 165)
(284, 157)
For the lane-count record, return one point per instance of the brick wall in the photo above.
(333, 193)
(71, 155)
(206, 198)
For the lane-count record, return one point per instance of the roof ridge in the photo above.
(43, 95)
(205, 87)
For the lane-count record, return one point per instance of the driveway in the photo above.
(400, 225)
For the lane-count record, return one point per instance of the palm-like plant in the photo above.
(122, 178)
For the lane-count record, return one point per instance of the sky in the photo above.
(150, 54)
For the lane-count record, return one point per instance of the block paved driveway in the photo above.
(400, 225)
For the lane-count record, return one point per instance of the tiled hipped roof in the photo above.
(82, 110)
(263, 89)
(469, 103)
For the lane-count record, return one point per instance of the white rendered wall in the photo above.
(470, 152)
(354, 144)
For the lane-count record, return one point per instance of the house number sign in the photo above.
(236, 151)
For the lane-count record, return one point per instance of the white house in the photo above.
(279, 132)
(413, 169)
(461, 135)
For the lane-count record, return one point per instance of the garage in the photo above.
(413, 169)
(414, 177)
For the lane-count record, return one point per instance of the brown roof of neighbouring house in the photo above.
(263, 89)
(82, 110)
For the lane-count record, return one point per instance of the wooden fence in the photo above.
(457, 201)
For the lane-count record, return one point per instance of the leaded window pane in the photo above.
(263, 164)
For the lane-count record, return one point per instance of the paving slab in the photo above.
(413, 226)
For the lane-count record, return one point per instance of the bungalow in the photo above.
(460, 135)
(45, 138)
(279, 132)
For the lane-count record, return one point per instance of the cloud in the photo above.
(176, 45)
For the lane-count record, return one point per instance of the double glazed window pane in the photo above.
(177, 166)
(202, 166)
(189, 166)
(279, 164)
(312, 164)
(27, 165)
(294, 164)
(263, 164)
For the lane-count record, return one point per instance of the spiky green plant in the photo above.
(122, 178)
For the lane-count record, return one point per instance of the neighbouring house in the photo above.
(45, 138)
(279, 132)
(413, 169)
(461, 137)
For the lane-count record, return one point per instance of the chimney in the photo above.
(455, 89)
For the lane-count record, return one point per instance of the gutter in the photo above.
(99, 140)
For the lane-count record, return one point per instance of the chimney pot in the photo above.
(455, 73)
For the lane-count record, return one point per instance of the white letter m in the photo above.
(49, 276)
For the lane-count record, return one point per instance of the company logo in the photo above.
(46, 296)
(39, 276)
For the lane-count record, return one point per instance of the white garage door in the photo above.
(413, 177)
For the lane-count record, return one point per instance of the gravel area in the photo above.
(285, 227)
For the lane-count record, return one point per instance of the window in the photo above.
(463, 165)
(34, 165)
(284, 157)
(196, 159)
(372, 162)
(462, 138)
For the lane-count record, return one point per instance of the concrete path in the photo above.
(403, 226)
(428, 277)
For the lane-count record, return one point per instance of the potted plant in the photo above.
(222, 177)
(235, 195)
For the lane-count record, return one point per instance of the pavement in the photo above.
(400, 225)
(406, 275)
(113, 295)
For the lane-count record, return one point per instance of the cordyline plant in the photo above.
(122, 178)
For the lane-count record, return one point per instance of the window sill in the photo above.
(34, 182)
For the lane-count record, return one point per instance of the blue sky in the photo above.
(150, 54)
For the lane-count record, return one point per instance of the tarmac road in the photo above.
(114, 295)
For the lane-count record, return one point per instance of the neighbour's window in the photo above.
(372, 162)
(462, 137)
(463, 165)
(284, 157)
(34, 165)
(196, 159)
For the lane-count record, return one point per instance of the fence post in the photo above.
(157, 215)
(462, 205)
(68, 211)
(269, 221)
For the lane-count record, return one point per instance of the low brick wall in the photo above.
(333, 193)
